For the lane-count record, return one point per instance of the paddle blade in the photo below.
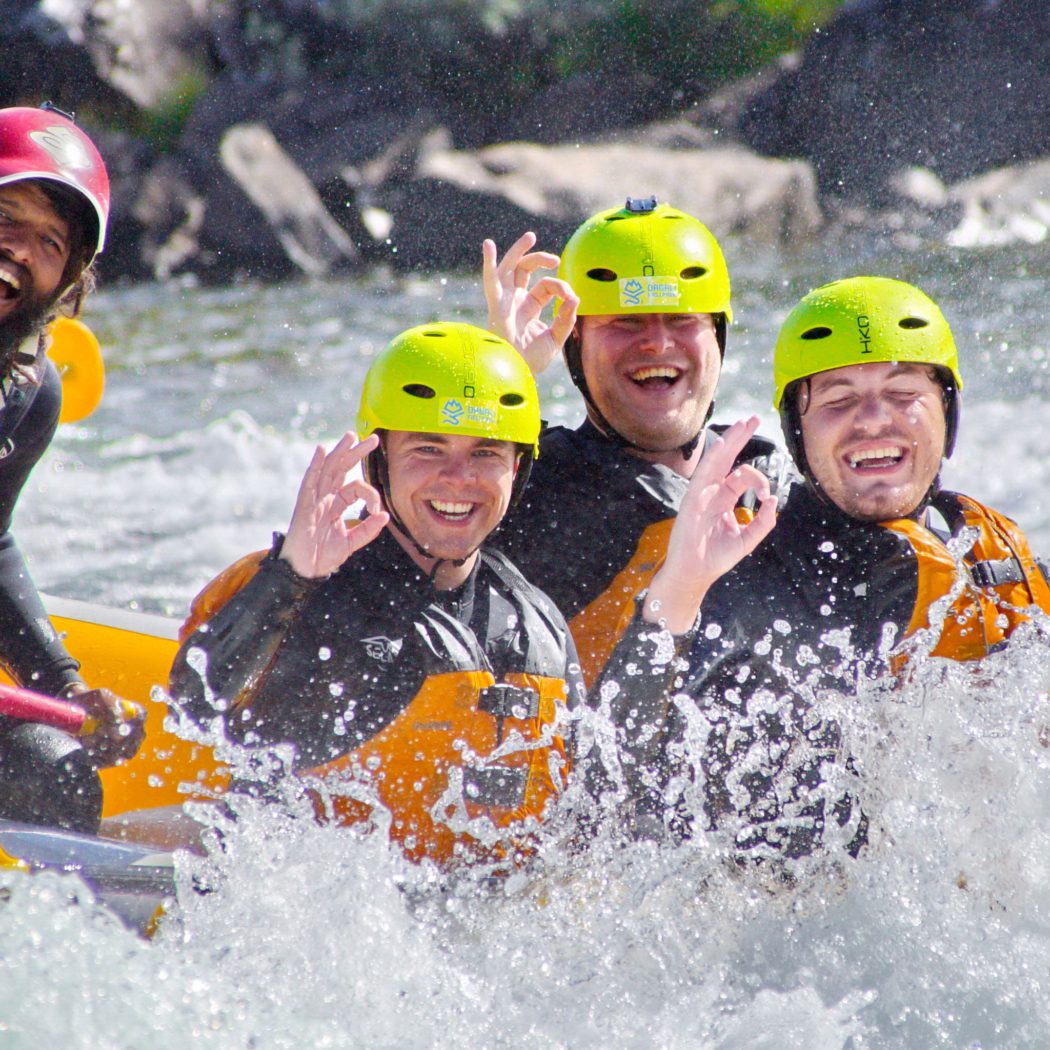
(76, 354)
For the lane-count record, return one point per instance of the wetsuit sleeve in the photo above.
(222, 665)
(30, 649)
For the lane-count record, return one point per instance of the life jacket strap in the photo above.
(994, 573)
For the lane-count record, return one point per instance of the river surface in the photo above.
(939, 936)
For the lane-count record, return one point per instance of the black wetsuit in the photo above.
(45, 776)
(588, 502)
(821, 602)
(373, 669)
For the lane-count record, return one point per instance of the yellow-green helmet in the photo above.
(856, 321)
(646, 258)
(451, 378)
(860, 320)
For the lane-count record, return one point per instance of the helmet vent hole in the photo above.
(821, 332)
(691, 273)
(600, 274)
(512, 400)
(435, 334)
(420, 390)
(914, 322)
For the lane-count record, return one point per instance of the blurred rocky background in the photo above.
(263, 138)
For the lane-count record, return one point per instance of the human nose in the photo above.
(657, 333)
(458, 470)
(873, 411)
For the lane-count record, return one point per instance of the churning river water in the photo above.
(938, 936)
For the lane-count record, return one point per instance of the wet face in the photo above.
(874, 436)
(35, 242)
(653, 376)
(450, 491)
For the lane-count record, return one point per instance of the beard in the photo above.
(34, 312)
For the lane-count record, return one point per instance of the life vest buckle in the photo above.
(495, 786)
(996, 573)
(509, 701)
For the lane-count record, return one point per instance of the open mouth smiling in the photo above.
(10, 285)
(876, 458)
(450, 510)
(656, 375)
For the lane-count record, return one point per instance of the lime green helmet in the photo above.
(646, 258)
(862, 320)
(451, 378)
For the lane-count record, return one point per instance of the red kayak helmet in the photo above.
(45, 144)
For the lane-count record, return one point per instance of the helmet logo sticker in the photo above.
(649, 291)
(864, 327)
(452, 412)
(476, 414)
(65, 148)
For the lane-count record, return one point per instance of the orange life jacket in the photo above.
(464, 748)
(1000, 578)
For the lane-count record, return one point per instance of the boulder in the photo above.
(957, 88)
(1008, 206)
(282, 194)
(731, 189)
(149, 50)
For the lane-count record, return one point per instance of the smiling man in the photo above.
(406, 663)
(867, 385)
(644, 315)
(54, 203)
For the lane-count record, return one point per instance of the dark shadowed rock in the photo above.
(958, 87)
(147, 50)
(45, 58)
(170, 214)
(310, 238)
(439, 225)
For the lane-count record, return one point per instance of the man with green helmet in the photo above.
(856, 578)
(413, 669)
(644, 312)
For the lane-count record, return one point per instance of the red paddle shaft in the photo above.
(33, 707)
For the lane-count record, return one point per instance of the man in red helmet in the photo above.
(54, 203)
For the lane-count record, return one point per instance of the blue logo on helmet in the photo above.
(452, 412)
(631, 293)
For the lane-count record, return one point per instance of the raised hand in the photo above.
(515, 308)
(707, 540)
(319, 538)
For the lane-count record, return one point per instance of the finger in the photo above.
(761, 525)
(308, 486)
(356, 491)
(529, 264)
(346, 455)
(565, 319)
(489, 280)
(509, 263)
(548, 288)
(746, 477)
(365, 531)
(718, 459)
